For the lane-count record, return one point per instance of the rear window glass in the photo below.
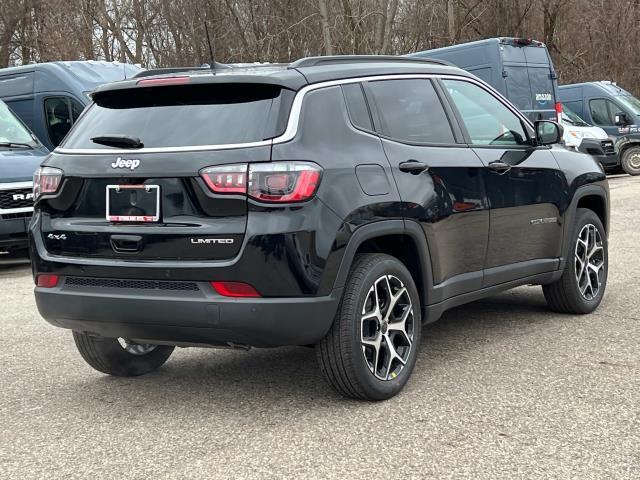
(176, 116)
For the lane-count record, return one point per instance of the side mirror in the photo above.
(548, 132)
(622, 120)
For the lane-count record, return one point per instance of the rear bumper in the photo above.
(199, 317)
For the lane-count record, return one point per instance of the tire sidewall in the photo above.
(113, 359)
(379, 388)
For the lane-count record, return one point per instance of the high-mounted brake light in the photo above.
(274, 182)
(46, 181)
(235, 289)
(47, 280)
(149, 82)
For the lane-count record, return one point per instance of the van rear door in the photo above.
(530, 79)
(542, 80)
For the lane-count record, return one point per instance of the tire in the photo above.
(631, 160)
(346, 363)
(108, 355)
(565, 295)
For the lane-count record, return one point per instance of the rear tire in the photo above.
(631, 160)
(371, 348)
(108, 355)
(583, 282)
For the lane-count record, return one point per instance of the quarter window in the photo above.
(487, 120)
(410, 111)
(357, 106)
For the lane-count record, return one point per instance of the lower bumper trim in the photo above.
(189, 317)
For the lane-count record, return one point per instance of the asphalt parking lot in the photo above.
(503, 388)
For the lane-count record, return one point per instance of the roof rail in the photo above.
(338, 59)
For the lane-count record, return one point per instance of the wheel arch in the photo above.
(405, 241)
(592, 197)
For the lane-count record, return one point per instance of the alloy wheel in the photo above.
(633, 160)
(135, 348)
(387, 327)
(590, 261)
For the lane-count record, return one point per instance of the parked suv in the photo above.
(340, 202)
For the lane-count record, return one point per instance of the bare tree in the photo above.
(588, 39)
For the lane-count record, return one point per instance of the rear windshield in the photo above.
(184, 115)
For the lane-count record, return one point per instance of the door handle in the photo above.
(413, 166)
(499, 166)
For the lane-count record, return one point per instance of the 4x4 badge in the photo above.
(130, 163)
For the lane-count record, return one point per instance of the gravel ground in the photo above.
(503, 388)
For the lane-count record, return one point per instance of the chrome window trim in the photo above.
(294, 116)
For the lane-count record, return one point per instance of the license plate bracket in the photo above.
(133, 203)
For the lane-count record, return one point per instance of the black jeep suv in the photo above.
(341, 202)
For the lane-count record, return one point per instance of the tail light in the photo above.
(283, 182)
(559, 111)
(276, 182)
(46, 181)
(235, 289)
(226, 179)
(47, 280)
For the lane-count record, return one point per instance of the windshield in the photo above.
(11, 129)
(177, 116)
(630, 102)
(572, 118)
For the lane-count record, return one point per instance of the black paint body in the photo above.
(463, 230)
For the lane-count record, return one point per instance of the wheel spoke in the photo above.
(393, 355)
(401, 326)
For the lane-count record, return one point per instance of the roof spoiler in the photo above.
(171, 70)
(341, 59)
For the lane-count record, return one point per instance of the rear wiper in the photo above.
(114, 140)
(16, 145)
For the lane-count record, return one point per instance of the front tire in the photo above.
(631, 160)
(371, 348)
(116, 356)
(583, 282)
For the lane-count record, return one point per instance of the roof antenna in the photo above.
(213, 60)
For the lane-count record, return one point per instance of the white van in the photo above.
(575, 129)
(581, 136)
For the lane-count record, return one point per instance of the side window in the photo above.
(76, 110)
(488, 121)
(601, 112)
(60, 114)
(357, 106)
(410, 111)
